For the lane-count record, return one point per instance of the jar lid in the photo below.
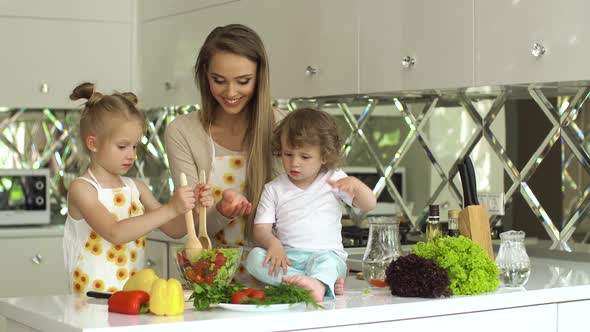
(512, 235)
(453, 214)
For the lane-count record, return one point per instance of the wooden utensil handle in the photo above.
(202, 208)
(188, 216)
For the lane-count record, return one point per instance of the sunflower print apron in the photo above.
(93, 263)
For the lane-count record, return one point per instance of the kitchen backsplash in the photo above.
(523, 140)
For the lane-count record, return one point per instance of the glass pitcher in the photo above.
(512, 260)
(383, 246)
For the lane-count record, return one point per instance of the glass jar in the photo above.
(383, 247)
(512, 260)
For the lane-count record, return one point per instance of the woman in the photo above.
(230, 137)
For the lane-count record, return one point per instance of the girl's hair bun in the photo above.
(86, 91)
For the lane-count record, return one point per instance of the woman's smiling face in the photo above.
(232, 80)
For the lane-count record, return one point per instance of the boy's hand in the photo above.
(347, 184)
(203, 195)
(276, 259)
(233, 204)
(183, 199)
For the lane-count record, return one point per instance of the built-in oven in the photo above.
(370, 176)
(24, 197)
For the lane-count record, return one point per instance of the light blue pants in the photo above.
(323, 265)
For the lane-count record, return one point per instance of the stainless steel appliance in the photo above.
(385, 203)
(24, 197)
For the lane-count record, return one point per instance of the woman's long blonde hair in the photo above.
(241, 40)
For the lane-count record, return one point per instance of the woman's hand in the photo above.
(233, 204)
(183, 200)
(276, 259)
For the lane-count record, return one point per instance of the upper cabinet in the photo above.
(168, 51)
(312, 45)
(46, 53)
(437, 47)
(103, 10)
(531, 41)
(415, 44)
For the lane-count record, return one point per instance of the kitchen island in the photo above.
(556, 298)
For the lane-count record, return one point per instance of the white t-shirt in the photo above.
(305, 219)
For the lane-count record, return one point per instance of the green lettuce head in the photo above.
(470, 269)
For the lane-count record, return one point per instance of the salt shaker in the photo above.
(383, 246)
(512, 260)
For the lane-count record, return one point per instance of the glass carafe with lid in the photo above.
(383, 246)
(512, 260)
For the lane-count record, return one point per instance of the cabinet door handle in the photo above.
(538, 50)
(37, 259)
(310, 71)
(408, 61)
(150, 263)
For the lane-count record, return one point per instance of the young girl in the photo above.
(298, 218)
(105, 227)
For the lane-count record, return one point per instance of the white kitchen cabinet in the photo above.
(44, 59)
(153, 9)
(569, 313)
(541, 318)
(33, 266)
(506, 31)
(168, 51)
(156, 257)
(438, 36)
(312, 45)
(380, 32)
(415, 44)
(104, 10)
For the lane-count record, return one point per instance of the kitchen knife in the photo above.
(98, 295)
(472, 181)
(464, 185)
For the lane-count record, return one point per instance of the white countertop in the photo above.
(552, 281)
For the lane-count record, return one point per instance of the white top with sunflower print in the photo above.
(93, 263)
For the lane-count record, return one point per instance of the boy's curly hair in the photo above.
(310, 127)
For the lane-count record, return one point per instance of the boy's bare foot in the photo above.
(339, 287)
(315, 287)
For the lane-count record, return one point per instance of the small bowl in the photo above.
(208, 266)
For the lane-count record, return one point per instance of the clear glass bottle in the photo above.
(512, 260)
(433, 227)
(453, 223)
(383, 246)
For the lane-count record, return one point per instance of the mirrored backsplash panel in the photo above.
(527, 142)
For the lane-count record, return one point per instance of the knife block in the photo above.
(474, 223)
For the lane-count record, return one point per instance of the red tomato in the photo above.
(248, 291)
(238, 297)
(220, 260)
(257, 294)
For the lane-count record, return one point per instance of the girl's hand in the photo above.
(183, 200)
(347, 184)
(203, 195)
(233, 204)
(276, 259)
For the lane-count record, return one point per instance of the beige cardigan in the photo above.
(189, 150)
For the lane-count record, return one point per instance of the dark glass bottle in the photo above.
(433, 227)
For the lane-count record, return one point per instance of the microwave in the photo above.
(24, 197)
(370, 176)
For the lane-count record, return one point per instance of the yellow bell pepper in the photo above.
(166, 297)
(142, 280)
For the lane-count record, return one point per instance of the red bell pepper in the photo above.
(133, 302)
